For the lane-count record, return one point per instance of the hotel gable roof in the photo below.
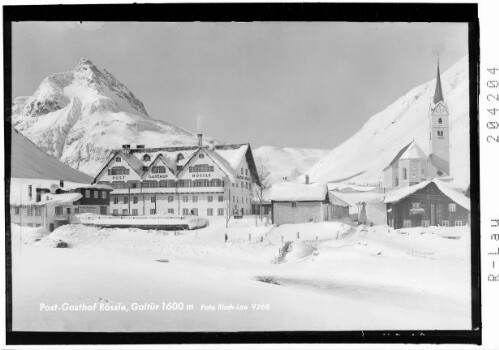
(228, 157)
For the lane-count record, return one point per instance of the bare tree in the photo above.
(260, 191)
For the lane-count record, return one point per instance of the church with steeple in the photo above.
(411, 165)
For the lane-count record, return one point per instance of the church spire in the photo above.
(439, 96)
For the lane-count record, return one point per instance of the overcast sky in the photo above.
(283, 84)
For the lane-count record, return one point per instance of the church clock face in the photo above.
(440, 109)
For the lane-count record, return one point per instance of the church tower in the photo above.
(439, 132)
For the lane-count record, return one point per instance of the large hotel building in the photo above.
(206, 180)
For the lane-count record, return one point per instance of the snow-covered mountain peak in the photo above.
(78, 116)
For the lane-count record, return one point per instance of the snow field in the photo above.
(367, 278)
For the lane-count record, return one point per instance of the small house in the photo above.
(429, 203)
(294, 203)
(50, 205)
(338, 208)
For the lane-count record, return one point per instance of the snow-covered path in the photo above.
(366, 280)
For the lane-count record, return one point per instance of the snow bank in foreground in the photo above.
(367, 278)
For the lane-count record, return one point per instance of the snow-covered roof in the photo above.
(228, 157)
(413, 152)
(59, 199)
(397, 157)
(354, 198)
(399, 194)
(333, 186)
(335, 200)
(291, 191)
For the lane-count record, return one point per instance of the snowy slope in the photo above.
(30, 162)
(378, 141)
(287, 162)
(80, 115)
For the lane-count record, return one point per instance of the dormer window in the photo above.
(180, 156)
(118, 159)
(146, 158)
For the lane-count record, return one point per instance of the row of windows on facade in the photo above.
(165, 183)
(185, 211)
(158, 169)
(96, 194)
(29, 210)
(185, 199)
(417, 205)
(135, 199)
(426, 223)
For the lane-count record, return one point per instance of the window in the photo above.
(170, 199)
(135, 212)
(452, 207)
(220, 198)
(445, 223)
(210, 199)
(416, 205)
(425, 223)
(185, 199)
(170, 211)
(77, 210)
(440, 133)
(116, 199)
(242, 184)
(68, 210)
(185, 211)
(194, 211)
(118, 159)
(135, 199)
(209, 212)
(246, 172)
(149, 184)
(180, 156)
(87, 193)
(158, 170)
(439, 121)
(201, 155)
(458, 223)
(30, 211)
(104, 194)
(146, 158)
(407, 223)
(194, 199)
(167, 183)
(38, 211)
(118, 184)
(118, 170)
(242, 171)
(16, 210)
(96, 194)
(125, 200)
(152, 211)
(293, 204)
(153, 199)
(201, 183)
(201, 168)
(133, 184)
(184, 183)
(115, 212)
(125, 212)
(220, 211)
(216, 183)
(404, 173)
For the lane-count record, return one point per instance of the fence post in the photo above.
(297, 235)
(249, 237)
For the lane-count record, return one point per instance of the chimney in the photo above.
(211, 145)
(200, 140)
(61, 183)
(126, 148)
(30, 192)
(307, 179)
